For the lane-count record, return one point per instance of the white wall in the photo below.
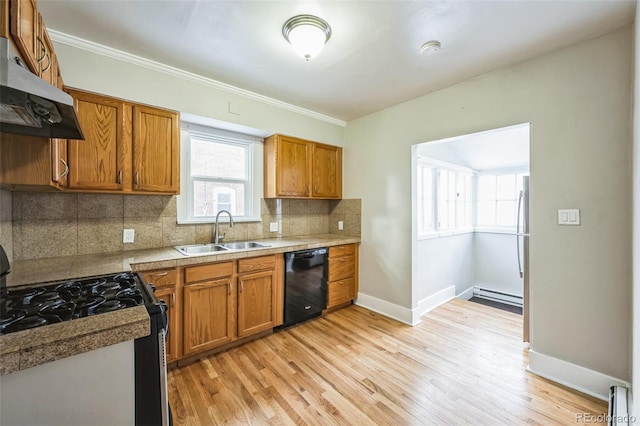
(578, 103)
(90, 71)
(444, 262)
(635, 360)
(496, 263)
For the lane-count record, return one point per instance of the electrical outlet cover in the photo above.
(128, 236)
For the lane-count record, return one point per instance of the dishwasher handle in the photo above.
(307, 254)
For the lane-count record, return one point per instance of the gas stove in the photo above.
(27, 307)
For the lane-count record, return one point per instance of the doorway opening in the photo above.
(470, 218)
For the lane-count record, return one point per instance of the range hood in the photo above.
(30, 105)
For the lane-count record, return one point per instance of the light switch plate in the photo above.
(128, 235)
(568, 216)
(340, 225)
(273, 226)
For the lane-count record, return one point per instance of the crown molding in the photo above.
(120, 55)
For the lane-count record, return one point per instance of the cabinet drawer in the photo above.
(341, 268)
(341, 291)
(161, 278)
(345, 250)
(209, 271)
(253, 264)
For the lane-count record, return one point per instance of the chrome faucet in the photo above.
(217, 237)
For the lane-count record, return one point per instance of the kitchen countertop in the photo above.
(28, 348)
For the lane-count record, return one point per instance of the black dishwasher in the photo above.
(305, 285)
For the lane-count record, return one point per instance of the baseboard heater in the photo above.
(618, 406)
(497, 296)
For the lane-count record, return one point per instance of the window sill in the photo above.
(223, 219)
(491, 230)
(442, 234)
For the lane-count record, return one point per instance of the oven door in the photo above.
(152, 402)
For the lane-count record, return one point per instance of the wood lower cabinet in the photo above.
(227, 301)
(297, 168)
(209, 306)
(207, 310)
(169, 290)
(343, 274)
(256, 294)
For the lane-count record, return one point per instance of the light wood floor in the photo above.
(463, 365)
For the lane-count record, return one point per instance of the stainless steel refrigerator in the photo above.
(522, 243)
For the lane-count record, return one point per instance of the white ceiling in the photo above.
(372, 60)
(504, 148)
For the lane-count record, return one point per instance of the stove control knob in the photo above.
(153, 287)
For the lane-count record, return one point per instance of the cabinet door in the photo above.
(24, 28)
(340, 292)
(156, 150)
(341, 267)
(292, 167)
(208, 309)
(255, 303)
(327, 171)
(168, 295)
(59, 165)
(48, 65)
(100, 161)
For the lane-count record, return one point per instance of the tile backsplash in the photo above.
(38, 225)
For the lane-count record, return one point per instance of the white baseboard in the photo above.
(467, 294)
(571, 375)
(402, 314)
(385, 308)
(432, 302)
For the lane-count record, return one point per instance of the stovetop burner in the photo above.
(29, 307)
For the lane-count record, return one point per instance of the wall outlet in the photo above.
(273, 226)
(128, 235)
(340, 225)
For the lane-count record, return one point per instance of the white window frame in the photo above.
(498, 229)
(437, 230)
(254, 167)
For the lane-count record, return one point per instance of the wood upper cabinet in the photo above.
(209, 307)
(128, 147)
(169, 290)
(101, 161)
(297, 168)
(343, 274)
(31, 38)
(25, 28)
(327, 171)
(156, 151)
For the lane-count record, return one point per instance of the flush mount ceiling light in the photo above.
(430, 47)
(307, 34)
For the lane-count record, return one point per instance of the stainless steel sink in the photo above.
(196, 249)
(243, 245)
(200, 249)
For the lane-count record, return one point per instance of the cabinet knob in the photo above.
(119, 177)
(136, 179)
